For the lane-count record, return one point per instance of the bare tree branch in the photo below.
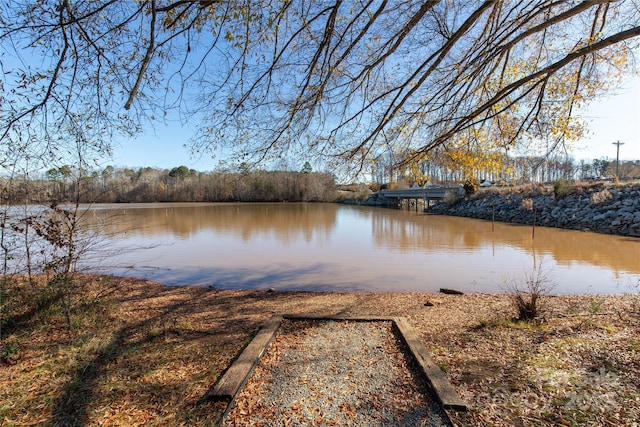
(147, 57)
(335, 79)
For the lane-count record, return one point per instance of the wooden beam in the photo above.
(441, 387)
(238, 373)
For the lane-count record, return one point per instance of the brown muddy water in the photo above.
(339, 248)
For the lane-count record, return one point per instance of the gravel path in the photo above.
(335, 373)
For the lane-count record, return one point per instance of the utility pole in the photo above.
(618, 143)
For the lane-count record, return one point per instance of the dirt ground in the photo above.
(140, 353)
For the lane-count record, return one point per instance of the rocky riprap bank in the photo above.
(602, 209)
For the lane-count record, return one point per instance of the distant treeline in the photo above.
(180, 184)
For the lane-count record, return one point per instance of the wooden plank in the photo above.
(442, 388)
(238, 373)
(338, 318)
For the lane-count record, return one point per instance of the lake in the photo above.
(342, 248)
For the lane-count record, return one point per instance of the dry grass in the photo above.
(143, 354)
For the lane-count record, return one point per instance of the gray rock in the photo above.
(619, 214)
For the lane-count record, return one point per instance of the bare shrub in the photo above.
(528, 291)
(452, 197)
(531, 189)
(601, 196)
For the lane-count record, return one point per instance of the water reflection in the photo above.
(437, 233)
(349, 248)
(284, 221)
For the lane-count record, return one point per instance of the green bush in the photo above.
(562, 188)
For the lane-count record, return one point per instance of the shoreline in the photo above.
(606, 209)
(146, 352)
(596, 207)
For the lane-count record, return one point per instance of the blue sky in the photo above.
(615, 117)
